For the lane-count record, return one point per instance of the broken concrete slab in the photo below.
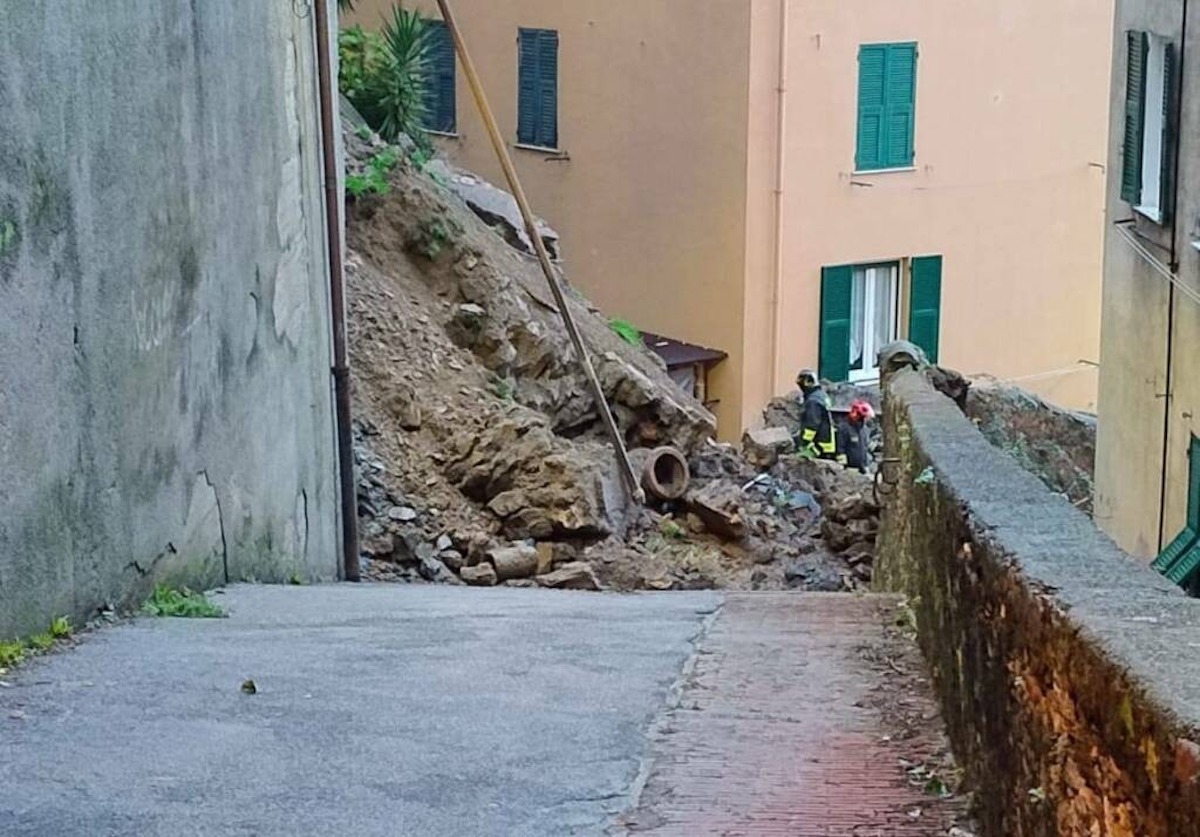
(494, 206)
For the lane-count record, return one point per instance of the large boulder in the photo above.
(538, 485)
(764, 446)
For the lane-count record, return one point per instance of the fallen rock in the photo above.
(379, 546)
(444, 543)
(545, 558)
(402, 514)
(453, 559)
(514, 562)
(403, 406)
(763, 447)
(718, 506)
(432, 569)
(852, 507)
(814, 577)
(483, 575)
(575, 576)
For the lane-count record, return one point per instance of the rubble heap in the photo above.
(1056, 445)
(480, 454)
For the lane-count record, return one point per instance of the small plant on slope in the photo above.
(626, 331)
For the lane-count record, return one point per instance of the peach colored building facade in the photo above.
(704, 176)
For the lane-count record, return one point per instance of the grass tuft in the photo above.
(181, 604)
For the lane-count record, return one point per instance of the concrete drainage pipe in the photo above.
(664, 472)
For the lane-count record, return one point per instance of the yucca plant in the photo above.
(386, 75)
(399, 88)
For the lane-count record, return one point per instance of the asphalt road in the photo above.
(381, 710)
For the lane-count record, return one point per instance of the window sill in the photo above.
(1152, 213)
(540, 149)
(444, 134)
(897, 170)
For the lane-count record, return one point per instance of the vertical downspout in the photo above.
(780, 171)
(1175, 206)
(337, 299)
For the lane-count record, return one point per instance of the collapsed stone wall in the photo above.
(1065, 669)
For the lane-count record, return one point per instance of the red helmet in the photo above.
(861, 411)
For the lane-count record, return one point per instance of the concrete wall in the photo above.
(165, 408)
(1008, 185)
(1062, 665)
(651, 203)
(1138, 422)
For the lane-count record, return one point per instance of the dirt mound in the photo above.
(479, 448)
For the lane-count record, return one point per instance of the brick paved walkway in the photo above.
(803, 716)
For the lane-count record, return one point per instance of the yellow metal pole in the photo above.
(539, 246)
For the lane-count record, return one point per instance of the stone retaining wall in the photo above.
(1069, 674)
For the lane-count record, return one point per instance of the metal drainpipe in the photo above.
(1175, 207)
(351, 570)
(780, 170)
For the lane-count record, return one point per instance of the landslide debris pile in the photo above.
(479, 450)
(1056, 445)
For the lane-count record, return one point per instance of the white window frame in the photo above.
(1153, 129)
(870, 351)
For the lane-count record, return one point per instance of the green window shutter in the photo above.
(1135, 115)
(441, 98)
(1170, 134)
(925, 305)
(900, 108)
(548, 90)
(872, 69)
(1181, 559)
(887, 97)
(537, 88)
(527, 87)
(836, 285)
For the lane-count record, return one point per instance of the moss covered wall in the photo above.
(1068, 674)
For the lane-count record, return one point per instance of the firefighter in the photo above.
(816, 437)
(853, 449)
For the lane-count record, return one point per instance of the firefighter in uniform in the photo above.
(853, 448)
(817, 434)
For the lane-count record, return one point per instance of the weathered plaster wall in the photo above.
(1063, 666)
(165, 408)
(1138, 399)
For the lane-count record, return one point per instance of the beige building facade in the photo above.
(1148, 451)
(794, 182)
